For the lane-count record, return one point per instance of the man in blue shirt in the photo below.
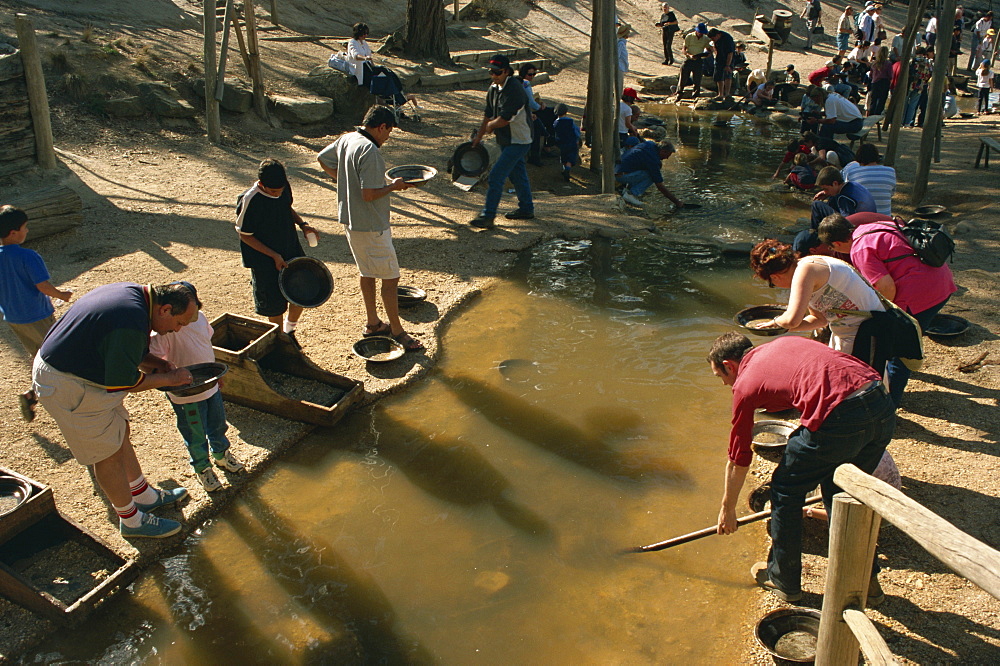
(836, 196)
(640, 168)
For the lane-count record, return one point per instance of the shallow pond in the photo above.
(480, 516)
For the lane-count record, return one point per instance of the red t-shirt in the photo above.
(817, 77)
(791, 373)
(857, 219)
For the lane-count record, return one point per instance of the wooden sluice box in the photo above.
(51, 565)
(267, 371)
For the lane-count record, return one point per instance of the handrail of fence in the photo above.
(855, 519)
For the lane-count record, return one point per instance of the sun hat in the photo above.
(624, 29)
(701, 29)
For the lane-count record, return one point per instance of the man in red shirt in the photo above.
(847, 417)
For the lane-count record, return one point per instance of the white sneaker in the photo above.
(209, 481)
(230, 463)
(631, 198)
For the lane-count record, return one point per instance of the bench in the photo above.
(867, 125)
(985, 144)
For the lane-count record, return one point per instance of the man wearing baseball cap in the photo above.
(694, 50)
(506, 115)
(725, 47)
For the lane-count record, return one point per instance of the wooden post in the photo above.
(966, 556)
(454, 16)
(935, 103)
(592, 111)
(220, 79)
(253, 50)
(244, 54)
(853, 531)
(609, 96)
(211, 104)
(38, 100)
(770, 59)
(898, 103)
(274, 12)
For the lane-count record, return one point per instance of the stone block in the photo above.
(162, 100)
(302, 110)
(237, 95)
(652, 85)
(350, 100)
(124, 107)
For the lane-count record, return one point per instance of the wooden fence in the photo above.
(844, 628)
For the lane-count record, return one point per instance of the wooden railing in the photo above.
(856, 514)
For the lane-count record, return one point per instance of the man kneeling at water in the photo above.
(640, 168)
(847, 417)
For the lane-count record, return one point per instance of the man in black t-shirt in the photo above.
(725, 47)
(265, 221)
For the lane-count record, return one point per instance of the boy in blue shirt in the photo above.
(25, 291)
(567, 136)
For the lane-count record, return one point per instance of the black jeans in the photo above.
(691, 72)
(668, 46)
(856, 431)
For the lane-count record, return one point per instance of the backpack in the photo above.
(338, 61)
(930, 242)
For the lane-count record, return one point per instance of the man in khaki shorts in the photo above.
(92, 357)
(355, 163)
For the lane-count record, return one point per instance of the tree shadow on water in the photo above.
(455, 472)
(558, 436)
(347, 604)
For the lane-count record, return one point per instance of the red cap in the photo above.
(630, 92)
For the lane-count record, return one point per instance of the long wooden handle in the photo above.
(708, 531)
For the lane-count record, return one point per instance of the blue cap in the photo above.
(701, 28)
(805, 241)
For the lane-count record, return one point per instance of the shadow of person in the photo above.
(349, 605)
(212, 616)
(454, 472)
(937, 636)
(558, 436)
(908, 429)
(965, 407)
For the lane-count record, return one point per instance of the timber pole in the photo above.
(212, 121)
(38, 100)
(593, 111)
(608, 97)
(853, 532)
(935, 107)
(253, 52)
(274, 12)
(898, 103)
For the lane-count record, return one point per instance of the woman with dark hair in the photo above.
(380, 80)
(821, 287)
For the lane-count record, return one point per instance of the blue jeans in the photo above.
(511, 165)
(637, 182)
(910, 113)
(203, 425)
(856, 431)
(840, 127)
(898, 374)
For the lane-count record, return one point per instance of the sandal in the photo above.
(381, 328)
(409, 342)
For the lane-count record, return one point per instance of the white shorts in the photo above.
(93, 421)
(374, 254)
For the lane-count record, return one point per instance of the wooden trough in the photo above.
(51, 565)
(267, 371)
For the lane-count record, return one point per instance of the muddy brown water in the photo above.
(478, 517)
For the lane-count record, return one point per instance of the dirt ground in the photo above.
(158, 207)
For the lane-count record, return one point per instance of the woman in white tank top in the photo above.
(819, 287)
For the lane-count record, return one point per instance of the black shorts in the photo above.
(268, 301)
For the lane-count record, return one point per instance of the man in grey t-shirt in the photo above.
(355, 163)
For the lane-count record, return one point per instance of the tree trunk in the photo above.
(424, 34)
